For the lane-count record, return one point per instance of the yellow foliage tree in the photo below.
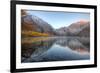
(33, 33)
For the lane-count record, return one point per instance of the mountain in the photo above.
(76, 28)
(36, 24)
(32, 25)
(85, 31)
(80, 28)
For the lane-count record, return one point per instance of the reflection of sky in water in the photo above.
(58, 49)
(60, 52)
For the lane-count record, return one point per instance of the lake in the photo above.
(44, 49)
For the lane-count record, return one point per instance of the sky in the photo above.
(60, 19)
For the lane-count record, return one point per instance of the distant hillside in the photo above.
(80, 28)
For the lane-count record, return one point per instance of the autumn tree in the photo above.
(23, 12)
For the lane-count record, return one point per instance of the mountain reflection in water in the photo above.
(42, 49)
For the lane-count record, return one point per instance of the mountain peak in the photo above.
(82, 21)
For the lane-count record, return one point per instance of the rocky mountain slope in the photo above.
(80, 28)
(36, 24)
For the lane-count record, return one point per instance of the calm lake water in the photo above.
(43, 49)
